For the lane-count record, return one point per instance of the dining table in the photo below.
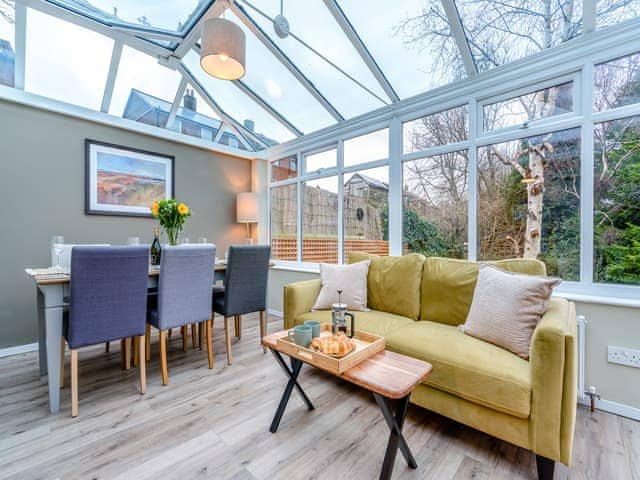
(52, 287)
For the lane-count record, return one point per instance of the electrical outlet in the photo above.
(623, 356)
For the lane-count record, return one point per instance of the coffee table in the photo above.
(389, 376)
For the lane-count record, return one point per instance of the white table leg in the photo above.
(53, 308)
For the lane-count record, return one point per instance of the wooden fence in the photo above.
(325, 250)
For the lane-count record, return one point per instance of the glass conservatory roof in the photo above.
(139, 59)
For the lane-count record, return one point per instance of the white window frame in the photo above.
(563, 63)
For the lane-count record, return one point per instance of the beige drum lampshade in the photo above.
(247, 207)
(223, 49)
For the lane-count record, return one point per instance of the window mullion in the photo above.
(20, 44)
(587, 177)
(395, 215)
(340, 153)
(475, 123)
(299, 200)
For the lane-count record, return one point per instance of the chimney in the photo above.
(189, 100)
(249, 124)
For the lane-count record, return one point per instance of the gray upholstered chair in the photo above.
(184, 295)
(108, 301)
(245, 288)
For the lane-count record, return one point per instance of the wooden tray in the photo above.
(367, 345)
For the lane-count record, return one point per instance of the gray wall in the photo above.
(42, 194)
(607, 325)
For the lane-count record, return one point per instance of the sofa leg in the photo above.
(545, 468)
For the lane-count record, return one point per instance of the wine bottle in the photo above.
(156, 251)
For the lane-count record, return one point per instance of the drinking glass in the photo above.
(203, 240)
(133, 241)
(185, 241)
(57, 242)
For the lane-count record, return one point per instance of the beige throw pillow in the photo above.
(351, 279)
(506, 308)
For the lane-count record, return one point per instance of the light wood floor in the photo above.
(214, 424)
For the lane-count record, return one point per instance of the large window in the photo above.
(437, 129)
(7, 43)
(365, 212)
(529, 201)
(366, 148)
(617, 201)
(284, 222)
(435, 205)
(542, 103)
(617, 83)
(320, 220)
(317, 162)
(66, 62)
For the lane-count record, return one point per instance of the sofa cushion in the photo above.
(448, 285)
(467, 367)
(378, 323)
(393, 283)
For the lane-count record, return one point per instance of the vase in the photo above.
(172, 235)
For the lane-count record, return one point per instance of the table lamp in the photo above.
(247, 211)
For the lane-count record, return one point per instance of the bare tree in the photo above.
(7, 11)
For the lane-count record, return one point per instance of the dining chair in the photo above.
(184, 295)
(108, 301)
(245, 289)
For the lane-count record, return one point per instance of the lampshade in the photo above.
(223, 49)
(247, 207)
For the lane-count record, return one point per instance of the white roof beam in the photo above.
(171, 119)
(147, 33)
(284, 59)
(189, 41)
(116, 54)
(237, 127)
(361, 48)
(455, 23)
(588, 16)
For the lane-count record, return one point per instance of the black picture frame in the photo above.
(123, 155)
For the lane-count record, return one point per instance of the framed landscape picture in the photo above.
(125, 181)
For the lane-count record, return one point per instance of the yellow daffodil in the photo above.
(155, 208)
(183, 209)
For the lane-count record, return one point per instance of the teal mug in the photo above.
(315, 327)
(301, 335)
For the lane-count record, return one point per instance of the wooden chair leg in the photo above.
(194, 336)
(201, 333)
(142, 364)
(263, 328)
(106, 347)
(239, 331)
(209, 329)
(184, 337)
(147, 346)
(163, 357)
(169, 334)
(227, 337)
(74, 383)
(122, 353)
(63, 344)
(134, 342)
(127, 353)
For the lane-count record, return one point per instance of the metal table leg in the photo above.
(293, 372)
(396, 439)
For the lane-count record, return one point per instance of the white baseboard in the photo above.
(275, 313)
(613, 407)
(7, 352)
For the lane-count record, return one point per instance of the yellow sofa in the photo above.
(416, 304)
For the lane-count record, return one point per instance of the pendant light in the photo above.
(222, 54)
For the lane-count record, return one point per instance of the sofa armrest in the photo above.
(299, 298)
(553, 359)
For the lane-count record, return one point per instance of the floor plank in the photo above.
(214, 424)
